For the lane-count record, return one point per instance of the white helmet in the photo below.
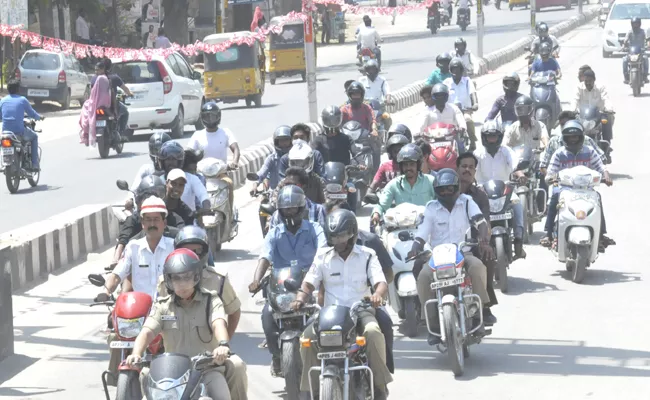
(301, 155)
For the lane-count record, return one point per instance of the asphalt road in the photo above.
(554, 339)
(73, 175)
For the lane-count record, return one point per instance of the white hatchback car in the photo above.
(168, 93)
(618, 23)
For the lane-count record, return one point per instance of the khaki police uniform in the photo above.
(186, 330)
(215, 282)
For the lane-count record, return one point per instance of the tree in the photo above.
(176, 20)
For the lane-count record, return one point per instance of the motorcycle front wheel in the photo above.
(454, 339)
(411, 317)
(580, 267)
(128, 386)
(291, 368)
(502, 263)
(523, 199)
(331, 388)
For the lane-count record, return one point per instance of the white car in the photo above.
(618, 23)
(168, 93)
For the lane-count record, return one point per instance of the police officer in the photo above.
(191, 319)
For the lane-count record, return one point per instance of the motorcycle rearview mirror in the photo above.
(122, 185)
(366, 150)
(371, 198)
(252, 176)
(292, 285)
(404, 236)
(97, 280)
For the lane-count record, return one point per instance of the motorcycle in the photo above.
(366, 54)
(266, 209)
(106, 129)
(501, 219)
(397, 232)
(531, 196)
(127, 315)
(462, 18)
(578, 221)
(433, 20)
(457, 306)
(16, 158)
(223, 225)
(444, 17)
(545, 97)
(602, 14)
(635, 69)
(593, 122)
(383, 118)
(444, 147)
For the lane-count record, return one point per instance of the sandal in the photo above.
(545, 242)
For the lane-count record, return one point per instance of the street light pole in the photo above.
(533, 6)
(310, 58)
(480, 25)
(580, 7)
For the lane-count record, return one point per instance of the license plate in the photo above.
(100, 123)
(138, 96)
(122, 345)
(500, 217)
(332, 355)
(447, 283)
(7, 151)
(38, 93)
(338, 196)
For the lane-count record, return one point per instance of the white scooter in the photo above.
(578, 220)
(223, 225)
(399, 227)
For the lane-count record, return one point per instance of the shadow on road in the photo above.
(126, 154)
(31, 334)
(11, 367)
(600, 277)
(517, 286)
(37, 188)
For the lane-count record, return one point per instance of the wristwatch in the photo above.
(224, 343)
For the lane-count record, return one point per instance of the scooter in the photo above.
(531, 195)
(366, 54)
(578, 221)
(594, 121)
(266, 209)
(545, 97)
(15, 155)
(462, 18)
(223, 225)
(444, 16)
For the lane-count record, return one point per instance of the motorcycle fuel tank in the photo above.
(335, 318)
(169, 366)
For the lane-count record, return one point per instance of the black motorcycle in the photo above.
(107, 130)
(16, 158)
(266, 209)
(594, 121)
(531, 195)
(337, 187)
(462, 18)
(635, 69)
(501, 219)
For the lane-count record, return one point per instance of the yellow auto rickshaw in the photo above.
(236, 73)
(518, 3)
(285, 51)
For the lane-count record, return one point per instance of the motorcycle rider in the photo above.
(270, 171)
(446, 220)
(343, 261)
(498, 162)
(589, 94)
(445, 112)
(172, 156)
(302, 131)
(635, 37)
(527, 130)
(427, 161)
(388, 169)
(544, 37)
(197, 316)
(301, 156)
(13, 109)
(116, 82)
(376, 87)
(460, 51)
(176, 181)
(314, 212)
(463, 8)
(368, 38)
(504, 105)
(411, 186)
(573, 153)
(191, 162)
(155, 144)
(545, 62)
(357, 110)
(581, 70)
(333, 145)
(462, 91)
(442, 72)
(425, 95)
(292, 243)
(401, 129)
(447, 5)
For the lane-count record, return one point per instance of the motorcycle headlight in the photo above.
(634, 57)
(446, 273)
(129, 328)
(334, 188)
(331, 339)
(496, 205)
(167, 389)
(220, 198)
(588, 125)
(283, 301)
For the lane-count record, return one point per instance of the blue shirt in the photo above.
(12, 112)
(284, 249)
(270, 170)
(549, 65)
(315, 213)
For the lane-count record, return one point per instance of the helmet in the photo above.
(155, 143)
(410, 152)
(182, 261)
(171, 150)
(153, 205)
(192, 234)
(192, 156)
(402, 130)
(570, 131)
(442, 60)
(524, 106)
(341, 227)
(491, 128)
(440, 93)
(460, 43)
(150, 185)
(332, 117)
(371, 67)
(395, 143)
(281, 132)
(356, 87)
(545, 49)
(291, 196)
(456, 64)
(635, 21)
(446, 177)
(211, 115)
(301, 155)
(511, 77)
(542, 29)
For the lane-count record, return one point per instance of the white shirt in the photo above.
(463, 4)
(368, 37)
(460, 92)
(595, 97)
(375, 90)
(535, 137)
(440, 226)
(496, 168)
(213, 144)
(466, 58)
(446, 3)
(194, 190)
(162, 42)
(82, 29)
(449, 115)
(345, 281)
(144, 266)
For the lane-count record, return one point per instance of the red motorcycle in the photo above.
(444, 146)
(126, 319)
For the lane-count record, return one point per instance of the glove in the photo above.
(102, 298)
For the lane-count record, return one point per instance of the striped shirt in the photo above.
(563, 159)
(556, 142)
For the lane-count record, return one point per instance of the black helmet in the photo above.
(192, 156)
(291, 196)
(443, 60)
(192, 234)
(332, 117)
(281, 132)
(635, 21)
(491, 128)
(573, 136)
(524, 106)
(460, 43)
(341, 227)
(182, 261)
(542, 29)
(150, 185)
(456, 67)
(335, 177)
(511, 77)
(371, 67)
(211, 115)
(395, 143)
(440, 94)
(545, 49)
(410, 152)
(356, 87)
(402, 130)
(171, 150)
(155, 143)
(446, 177)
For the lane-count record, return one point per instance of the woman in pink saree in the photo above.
(100, 96)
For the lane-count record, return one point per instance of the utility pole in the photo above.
(533, 23)
(310, 58)
(580, 7)
(480, 27)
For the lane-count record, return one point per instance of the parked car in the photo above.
(45, 75)
(168, 93)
